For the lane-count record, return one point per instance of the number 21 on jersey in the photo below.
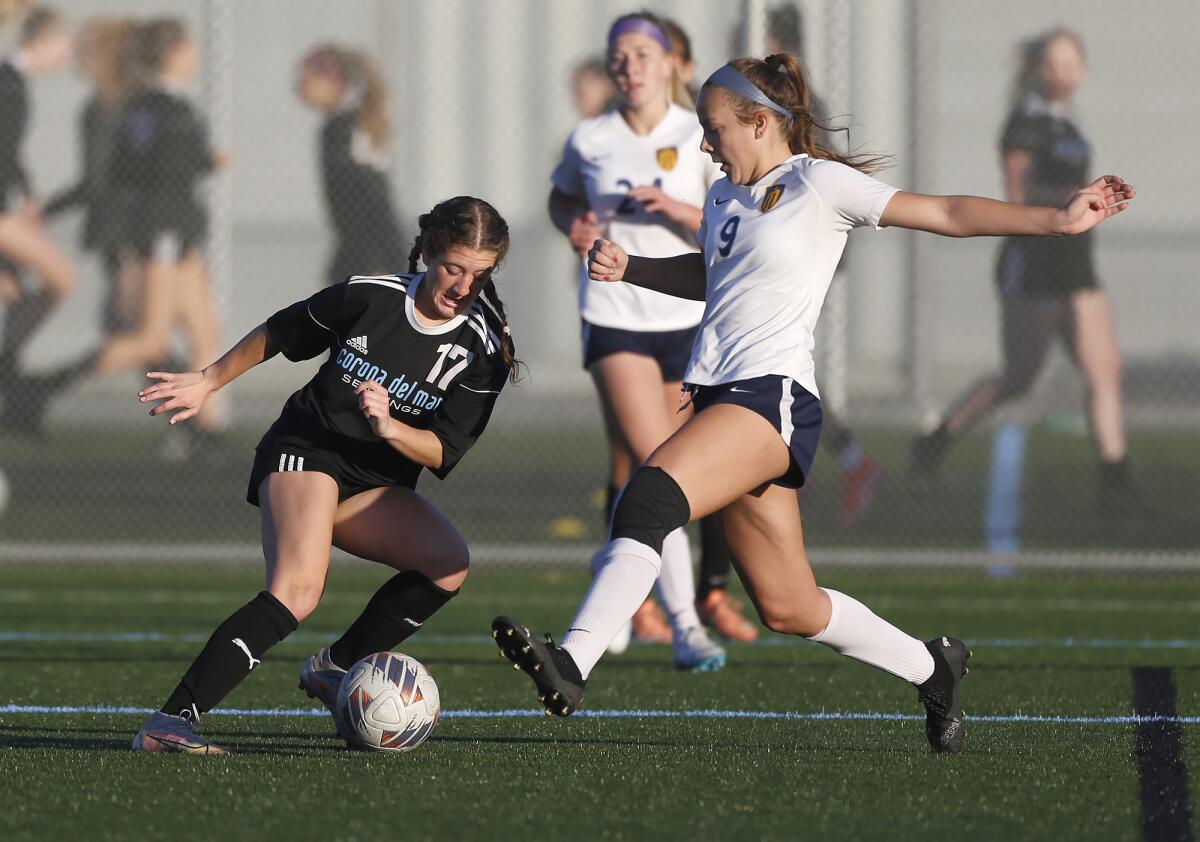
(448, 353)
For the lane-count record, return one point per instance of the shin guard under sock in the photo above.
(235, 648)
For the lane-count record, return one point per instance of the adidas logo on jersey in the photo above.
(358, 343)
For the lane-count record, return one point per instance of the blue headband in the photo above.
(729, 78)
(635, 25)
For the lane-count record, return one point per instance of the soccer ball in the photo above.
(387, 702)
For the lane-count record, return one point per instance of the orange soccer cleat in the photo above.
(723, 614)
(650, 624)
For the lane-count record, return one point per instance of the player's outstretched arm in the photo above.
(973, 216)
(188, 391)
(681, 276)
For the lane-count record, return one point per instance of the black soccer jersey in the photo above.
(14, 116)
(161, 154)
(1060, 155)
(444, 379)
(1060, 158)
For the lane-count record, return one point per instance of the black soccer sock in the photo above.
(394, 613)
(235, 648)
(715, 558)
(1114, 475)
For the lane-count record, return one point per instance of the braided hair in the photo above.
(471, 222)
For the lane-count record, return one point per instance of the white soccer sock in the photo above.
(856, 632)
(677, 583)
(621, 584)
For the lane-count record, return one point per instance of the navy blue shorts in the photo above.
(671, 349)
(792, 410)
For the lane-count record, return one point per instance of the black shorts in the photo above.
(281, 451)
(792, 410)
(671, 349)
(1045, 267)
(168, 245)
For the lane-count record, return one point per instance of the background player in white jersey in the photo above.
(772, 235)
(636, 173)
(416, 363)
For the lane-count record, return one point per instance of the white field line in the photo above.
(811, 716)
(568, 553)
(138, 637)
(163, 596)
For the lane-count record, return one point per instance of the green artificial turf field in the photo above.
(112, 637)
(534, 483)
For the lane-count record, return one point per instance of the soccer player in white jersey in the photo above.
(772, 235)
(636, 174)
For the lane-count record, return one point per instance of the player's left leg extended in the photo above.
(765, 534)
(715, 457)
(297, 519)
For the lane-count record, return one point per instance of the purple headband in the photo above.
(635, 25)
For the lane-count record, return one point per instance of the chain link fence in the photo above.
(480, 99)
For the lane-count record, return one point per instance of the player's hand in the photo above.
(607, 261)
(584, 231)
(186, 392)
(1106, 196)
(374, 405)
(654, 200)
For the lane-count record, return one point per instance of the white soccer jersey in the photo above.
(770, 251)
(602, 161)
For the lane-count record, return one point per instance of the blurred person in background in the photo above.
(161, 155)
(1048, 287)
(102, 53)
(592, 91)
(637, 170)
(43, 46)
(346, 87)
(681, 54)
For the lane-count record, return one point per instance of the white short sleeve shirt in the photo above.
(770, 251)
(602, 161)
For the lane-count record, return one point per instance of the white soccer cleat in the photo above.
(694, 651)
(320, 678)
(165, 732)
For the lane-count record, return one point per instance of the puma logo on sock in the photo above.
(240, 644)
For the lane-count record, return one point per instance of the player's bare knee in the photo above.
(790, 618)
(301, 598)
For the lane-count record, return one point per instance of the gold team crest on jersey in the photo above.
(774, 194)
(667, 157)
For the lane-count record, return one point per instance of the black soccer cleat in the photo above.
(553, 670)
(943, 709)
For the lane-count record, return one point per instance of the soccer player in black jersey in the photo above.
(43, 45)
(1048, 287)
(160, 155)
(344, 85)
(416, 363)
(99, 56)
